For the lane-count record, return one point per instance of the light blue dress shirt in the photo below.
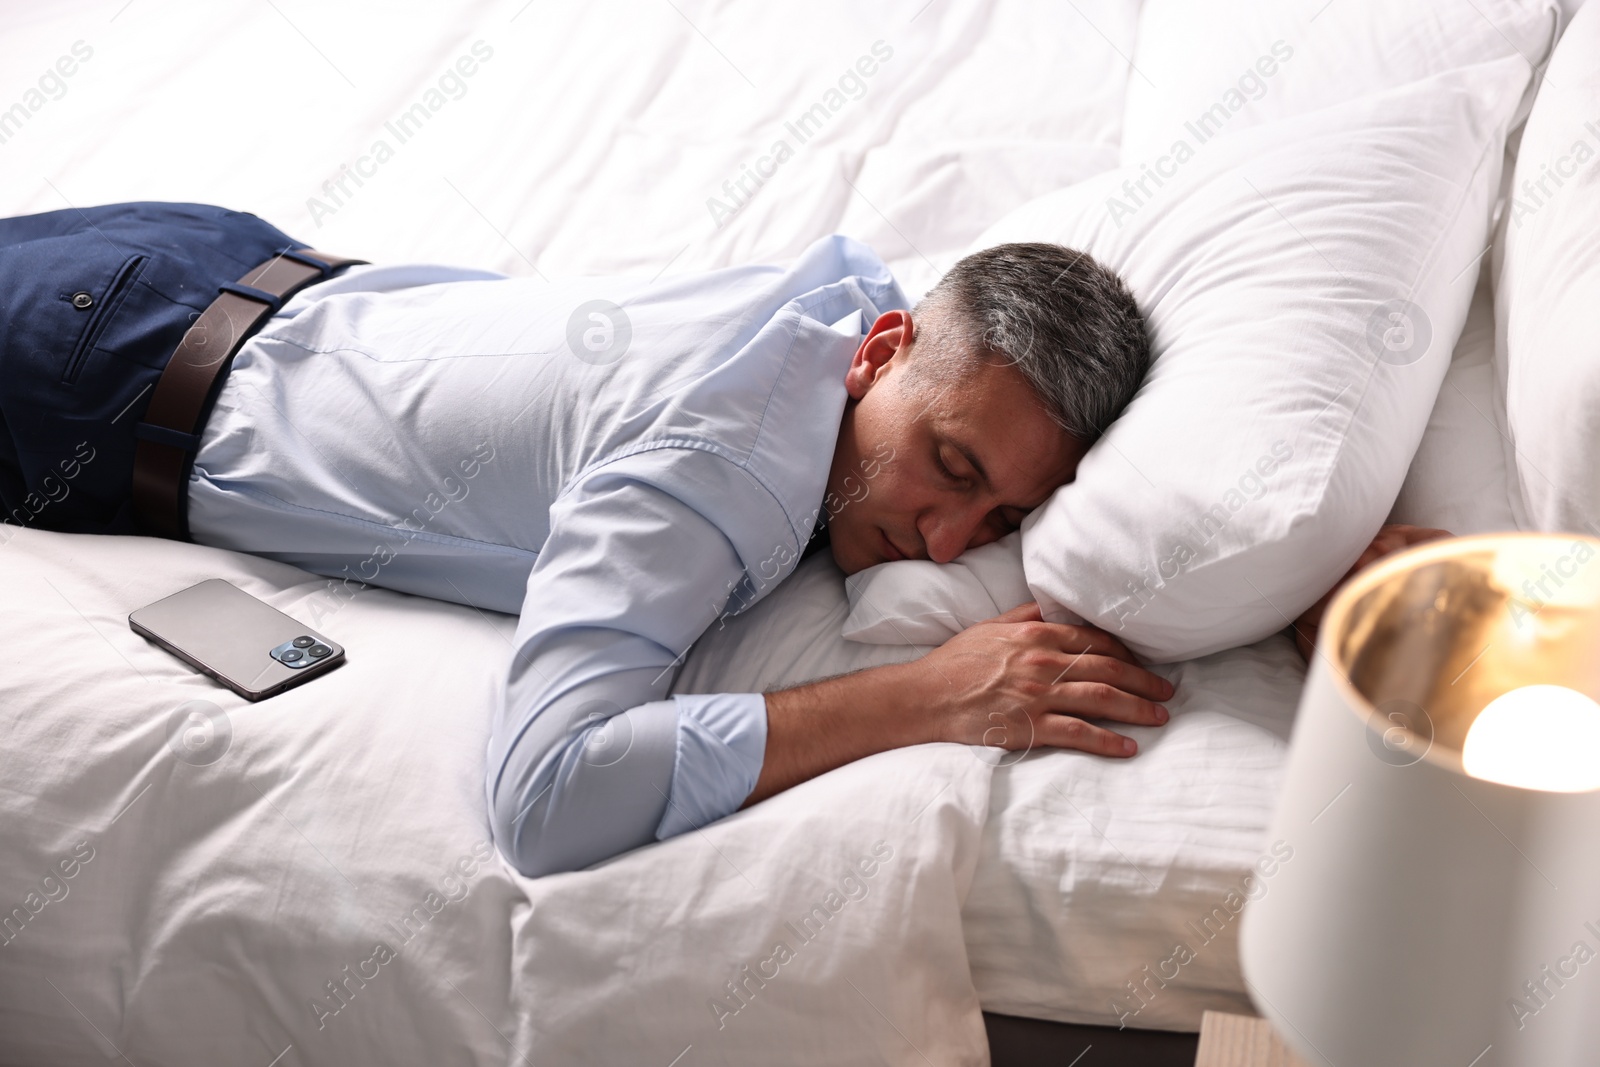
(621, 461)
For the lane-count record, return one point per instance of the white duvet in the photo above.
(319, 892)
(310, 876)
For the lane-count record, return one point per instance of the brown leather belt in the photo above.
(169, 436)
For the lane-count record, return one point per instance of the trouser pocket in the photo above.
(99, 307)
(93, 301)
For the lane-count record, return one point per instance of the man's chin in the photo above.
(845, 559)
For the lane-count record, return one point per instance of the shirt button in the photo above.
(82, 301)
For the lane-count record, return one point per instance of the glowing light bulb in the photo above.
(1537, 737)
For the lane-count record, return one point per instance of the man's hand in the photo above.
(1390, 539)
(1012, 682)
(1016, 682)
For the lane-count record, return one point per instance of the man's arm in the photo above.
(1013, 682)
(588, 757)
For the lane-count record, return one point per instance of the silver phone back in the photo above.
(228, 634)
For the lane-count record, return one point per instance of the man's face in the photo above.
(929, 465)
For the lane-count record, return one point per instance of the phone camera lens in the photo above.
(303, 642)
(291, 655)
(318, 651)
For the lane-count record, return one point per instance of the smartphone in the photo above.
(247, 645)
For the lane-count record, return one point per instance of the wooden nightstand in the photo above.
(1241, 1041)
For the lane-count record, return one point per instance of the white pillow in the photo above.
(918, 602)
(1459, 479)
(1202, 69)
(1548, 353)
(1304, 283)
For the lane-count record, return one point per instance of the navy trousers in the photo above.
(92, 304)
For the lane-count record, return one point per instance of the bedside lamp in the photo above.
(1442, 800)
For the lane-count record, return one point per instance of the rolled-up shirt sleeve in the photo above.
(588, 758)
(721, 742)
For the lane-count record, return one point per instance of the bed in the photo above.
(309, 879)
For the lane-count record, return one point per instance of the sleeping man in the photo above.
(621, 462)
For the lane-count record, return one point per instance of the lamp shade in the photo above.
(1438, 910)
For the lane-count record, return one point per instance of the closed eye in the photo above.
(944, 468)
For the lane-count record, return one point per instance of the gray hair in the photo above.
(1066, 322)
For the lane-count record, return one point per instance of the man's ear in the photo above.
(889, 337)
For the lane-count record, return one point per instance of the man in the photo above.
(622, 462)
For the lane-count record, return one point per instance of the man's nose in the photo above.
(948, 534)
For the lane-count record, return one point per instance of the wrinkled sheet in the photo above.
(311, 875)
